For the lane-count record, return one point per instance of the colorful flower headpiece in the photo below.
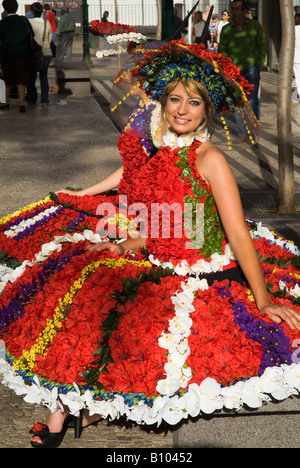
(157, 64)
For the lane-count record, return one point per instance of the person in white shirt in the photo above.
(296, 94)
(43, 36)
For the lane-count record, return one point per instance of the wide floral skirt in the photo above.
(121, 336)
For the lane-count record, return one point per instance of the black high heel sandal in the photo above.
(54, 439)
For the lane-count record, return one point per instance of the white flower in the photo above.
(232, 396)
(229, 252)
(175, 362)
(182, 268)
(201, 266)
(218, 262)
(34, 393)
(50, 398)
(252, 394)
(168, 341)
(73, 400)
(153, 260)
(168, 386)
(90, 236)
(271, 382)
(263, 231)
(271, 378)
(210, 396)
(184, 302)
(291, 375)
(180, 326)
(174, 410)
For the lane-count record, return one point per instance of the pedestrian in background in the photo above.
(296, 95)
(243, 40)
(198, 26)
(43, 36)
(104, 19)
(65, 34)
(51, 17)
(225, 20)
(14, 52)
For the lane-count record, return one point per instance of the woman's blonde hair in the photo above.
(198, 18)
(192, 87)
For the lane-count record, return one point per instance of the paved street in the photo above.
(73, 143)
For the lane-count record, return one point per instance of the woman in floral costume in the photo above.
(157, 302)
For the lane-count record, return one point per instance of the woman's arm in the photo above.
(213, 167)
(104, 185)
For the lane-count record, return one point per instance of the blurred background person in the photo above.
(43, 36)
(14, 52)
(51, 17)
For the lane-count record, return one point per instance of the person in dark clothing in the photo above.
(177, 23)
(14, 52)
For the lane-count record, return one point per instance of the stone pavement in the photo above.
(73, 143)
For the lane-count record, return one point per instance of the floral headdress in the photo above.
(155, 65)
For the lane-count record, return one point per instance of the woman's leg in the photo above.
(44, 81)
(7, 93)
(21, 94)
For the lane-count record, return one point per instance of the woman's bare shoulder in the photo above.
(210, 160)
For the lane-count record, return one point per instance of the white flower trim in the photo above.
(279, 383)
(23, 224)
(264, 232)
(112, 51)
(214, 264)
(10, 275)
(174, 141)
(126, 37)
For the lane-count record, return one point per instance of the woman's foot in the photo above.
(49, 434)
(87, 420)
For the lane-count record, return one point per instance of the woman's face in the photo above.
(184, 112)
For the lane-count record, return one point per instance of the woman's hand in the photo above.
(279, 313)
(77, 193)
(115, 248)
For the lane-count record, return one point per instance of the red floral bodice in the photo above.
(168, 183)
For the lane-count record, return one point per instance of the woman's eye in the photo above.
(195, 103)
(174, 99)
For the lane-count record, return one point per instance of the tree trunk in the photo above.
(159, 20)
(286, 195)
(116, 12)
